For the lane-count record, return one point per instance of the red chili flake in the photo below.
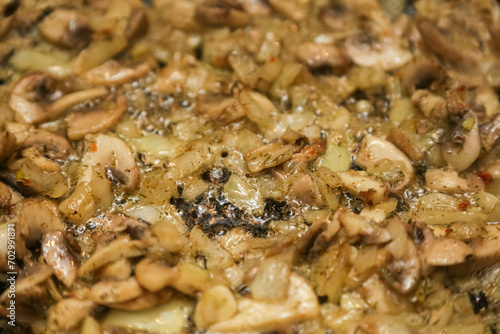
(464, 205)
(485, 176)
(272, 59)
(93, 147)
(461, 88)
(26, 181)
(447, 231)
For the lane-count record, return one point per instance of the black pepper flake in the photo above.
(479, 301)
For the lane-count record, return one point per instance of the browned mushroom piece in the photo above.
(36, 218)
(29, 283)
(145, 301)
(356, 225)
(221, 15)
(112, 73)
(33, 98)
(321, 56)
(305, 192)
(420, 73)
(223, 109)
(55, 146)
(438, 43)
(155, 275)
(461, 147)
(490, 132)
(5, 195)
(108, 292)
(66, 28)
(60, 251)
(433, 106)
(8, 143)
(405, 144)
(83, 122)
(8, 9)
(137, 24)
(68, 314)
(404, 268)
(447, 252)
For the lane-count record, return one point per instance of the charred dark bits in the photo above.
(217, 175)
(479, 301)
(276, 210)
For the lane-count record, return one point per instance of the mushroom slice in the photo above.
(257, 316)
(66, 28)
(462, 146)
(36, 218)
(154, 275)
(438, 43)
(447, 180)
(447, 252)
(355, 225)
(60, 252)
(221, 16)
(56, 146)
(321, 55)
(403, 271)
(28, 284)
(486, 252)
(32, 98)
(7, 145)
(113, 154)
(388, 54)
(420, 74)
(120, 248)
(305, 192)
(363, 186)
(490, 132)
(112, 73)
(68, 314)
(405, 144)
(276, 153)
(8, 8)
(219, 108)
(83, 122)
(146, 301)
(383, 158)
(108, 292)
(431, 105)
(5, 195)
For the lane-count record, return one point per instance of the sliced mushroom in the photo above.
(5, 195)
(321, 55)
(462, 146)
(257, 316)
(404, 268)
(66, 28)
(381, 156)
(221, 16)
(220, 108)
(486, 252)
(119, 270)
(112, 73)
(274, 154)
(305, 192)
(32, 98)
(356, 225)
(388, 54)
(56, 146)
(420, 74)
(431, 105)
(108, 292)
(60, 252)
(405, 144)
(145, 301)
(155, 275)
(137, 24)
(29, 283)
(447, 180)
(122, 247)
(364, 186)
(68, 314)
(116, 156)
(8, 9)
(83, 122)
(36, 218)
(438, 43)
(447, 252)
(294, 9)
(7, 145)
(490, 132)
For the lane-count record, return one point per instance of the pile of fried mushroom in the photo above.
(250, 166)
